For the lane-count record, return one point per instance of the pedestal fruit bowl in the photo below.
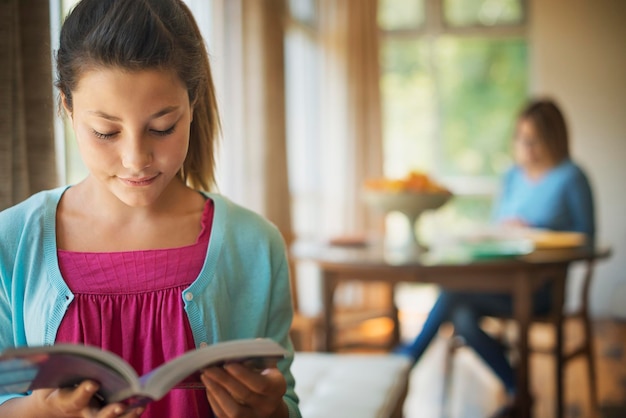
(411, 196)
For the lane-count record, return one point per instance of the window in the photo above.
(302, 107)
(454, 76)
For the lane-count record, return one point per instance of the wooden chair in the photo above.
(307, 331)
(585, 349)
(558, 318)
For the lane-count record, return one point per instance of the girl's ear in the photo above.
(66, 108)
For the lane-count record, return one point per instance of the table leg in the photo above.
(522, 309)
(329, 285)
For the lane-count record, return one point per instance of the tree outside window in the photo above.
(454, 75)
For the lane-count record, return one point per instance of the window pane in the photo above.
(409, 117)
(456, 121)
(304, 11)
(482, 12)
(400, 14)
(303, 147)
(483, 84)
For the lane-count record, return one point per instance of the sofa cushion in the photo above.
(350, 385)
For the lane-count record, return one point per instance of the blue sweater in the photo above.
(243, 290)
(561, 200)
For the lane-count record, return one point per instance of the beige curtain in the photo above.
(247, 52)
(27, 161)
(350, 111)
(349, 148)
(351, 128)
(248, 61)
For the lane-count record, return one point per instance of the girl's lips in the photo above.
(143, 181)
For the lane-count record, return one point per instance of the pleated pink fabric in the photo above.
(130, 303)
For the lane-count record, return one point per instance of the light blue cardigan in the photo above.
(243, 290)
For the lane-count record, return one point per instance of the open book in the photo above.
(66, 365)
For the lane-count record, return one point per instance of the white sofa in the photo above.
(335, 385)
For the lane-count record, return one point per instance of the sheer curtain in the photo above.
(334, 120)
(248, 60)
(350, 121)
(328, 168)
(27, 150)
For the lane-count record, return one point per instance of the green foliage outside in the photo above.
(449, 104)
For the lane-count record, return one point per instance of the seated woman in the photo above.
(544, 189)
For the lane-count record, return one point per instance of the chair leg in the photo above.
(591, 367)
(559, 373)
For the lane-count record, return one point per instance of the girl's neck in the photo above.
(100, 202)
(91, 221)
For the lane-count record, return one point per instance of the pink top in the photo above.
(130, 303)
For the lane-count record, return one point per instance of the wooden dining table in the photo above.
(518, 275)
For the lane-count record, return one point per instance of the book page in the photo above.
(65, 365)
(257, 353)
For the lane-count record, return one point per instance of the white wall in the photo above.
(578, 56)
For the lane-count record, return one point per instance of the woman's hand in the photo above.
(515, 223)
(76, 402)
(235, 390)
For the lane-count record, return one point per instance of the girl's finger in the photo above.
(222, 402)
(78, 398)
(212, 398)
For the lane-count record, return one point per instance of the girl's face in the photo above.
(530, 151)
(132, 129)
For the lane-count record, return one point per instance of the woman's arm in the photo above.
(579, 200)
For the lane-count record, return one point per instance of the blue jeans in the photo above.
(464, 310)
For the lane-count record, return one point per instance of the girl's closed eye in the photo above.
(165, 132)
(102, 135)
(105, 136)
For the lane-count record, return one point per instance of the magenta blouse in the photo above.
(130, 303)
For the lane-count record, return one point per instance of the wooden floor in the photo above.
(476, 393)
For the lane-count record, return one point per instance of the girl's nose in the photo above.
(137, 154)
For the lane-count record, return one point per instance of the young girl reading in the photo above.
(139, 258)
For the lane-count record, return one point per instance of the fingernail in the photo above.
(90, 387)
(118, 410)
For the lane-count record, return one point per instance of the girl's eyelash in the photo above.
(165, 132)
(100, 135)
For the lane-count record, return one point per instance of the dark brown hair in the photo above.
(146, 34)
(550, 125)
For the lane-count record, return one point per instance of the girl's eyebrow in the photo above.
(112, 118)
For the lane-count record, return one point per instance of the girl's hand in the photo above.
(78, 402)
(235, 390)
